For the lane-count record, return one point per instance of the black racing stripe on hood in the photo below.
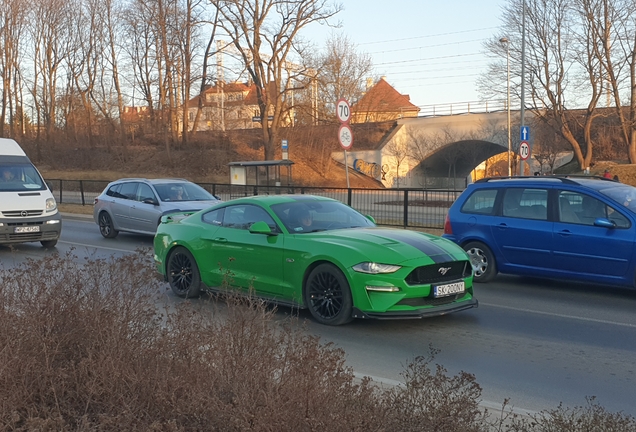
(436, 253)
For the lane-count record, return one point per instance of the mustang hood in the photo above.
(393, 246)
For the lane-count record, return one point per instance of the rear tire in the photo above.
(328, 296)
(482, 261)
(183, 273)
(106, 227)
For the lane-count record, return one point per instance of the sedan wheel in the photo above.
(482, 260)
(106, 227)
(327, 295)
(183, 273)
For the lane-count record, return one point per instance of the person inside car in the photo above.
(176, 194)
(7, 175)
(301, 219)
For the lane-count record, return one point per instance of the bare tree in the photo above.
(614, 29)
(13, 18)
(420, 146)
(398, 151)
(266, 34)
(563, 68)
(342, 73)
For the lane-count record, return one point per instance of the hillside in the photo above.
(206, 157)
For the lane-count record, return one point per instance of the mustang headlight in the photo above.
(375, 268)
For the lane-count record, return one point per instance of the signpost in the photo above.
(524, 137)
(524, 150)
(343, 110)
(284, 148)
(345, 135)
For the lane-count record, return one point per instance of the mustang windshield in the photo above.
(312, 216)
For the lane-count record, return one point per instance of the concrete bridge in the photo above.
(428, 151)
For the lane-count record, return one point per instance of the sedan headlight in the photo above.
(375, 268)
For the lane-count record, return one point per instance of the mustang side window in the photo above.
(214, 217)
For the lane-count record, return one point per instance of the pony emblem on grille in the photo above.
(443, 270)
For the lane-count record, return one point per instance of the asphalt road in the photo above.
(535, 342)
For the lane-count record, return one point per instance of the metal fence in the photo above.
(417, 208)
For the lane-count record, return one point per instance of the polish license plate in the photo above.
(448, 289)
(27, 229)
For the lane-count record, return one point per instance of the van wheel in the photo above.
(106, 227)
(49, 243)
(482, 260)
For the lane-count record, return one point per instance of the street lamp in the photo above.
(507, 43)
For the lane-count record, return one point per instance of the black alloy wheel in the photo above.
(327, 295)
(183, 273)
(106, 227)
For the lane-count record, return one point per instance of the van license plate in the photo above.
(27, 229)
(448, 289)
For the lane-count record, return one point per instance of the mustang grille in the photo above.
(430, 301)
(439, 273)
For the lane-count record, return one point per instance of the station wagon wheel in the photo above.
(106, 227)
(482, 260)
(48, 243)
(183, 273)
(328, 296)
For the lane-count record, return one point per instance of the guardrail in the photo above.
(416, 208)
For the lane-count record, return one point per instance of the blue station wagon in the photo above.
(564, 227)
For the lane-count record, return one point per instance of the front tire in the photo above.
(328, 296)
(48, 243)
(482, 261)
(183, 273)
(106, 227)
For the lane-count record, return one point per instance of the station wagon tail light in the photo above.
(448, 229)
(375, 268)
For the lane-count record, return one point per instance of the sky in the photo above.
(431, 51)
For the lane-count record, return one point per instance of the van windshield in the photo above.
(19, 178)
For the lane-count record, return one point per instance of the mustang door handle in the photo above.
(502, 225)
(565, 233)
(220, 240)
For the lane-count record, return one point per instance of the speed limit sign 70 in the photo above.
(343, 110)
(524, 150)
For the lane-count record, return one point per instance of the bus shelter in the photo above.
(261, 173)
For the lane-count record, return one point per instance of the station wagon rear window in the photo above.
(482, 201)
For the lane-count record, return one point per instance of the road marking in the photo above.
(96, 247)
(601, 321)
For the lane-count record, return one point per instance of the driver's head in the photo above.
(303, 217)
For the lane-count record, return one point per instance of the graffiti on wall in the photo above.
(371, 169)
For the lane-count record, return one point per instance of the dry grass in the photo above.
(93, 345)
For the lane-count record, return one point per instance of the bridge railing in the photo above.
(416, 208)
(473, 107)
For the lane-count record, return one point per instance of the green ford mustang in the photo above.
(317, 253)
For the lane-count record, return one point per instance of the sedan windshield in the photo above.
(183, 191)
(313, 216)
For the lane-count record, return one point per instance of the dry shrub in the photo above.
(440, 402)
(96, 345)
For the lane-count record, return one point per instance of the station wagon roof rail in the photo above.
(565, 178)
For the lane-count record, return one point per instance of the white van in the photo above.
(28, 211)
